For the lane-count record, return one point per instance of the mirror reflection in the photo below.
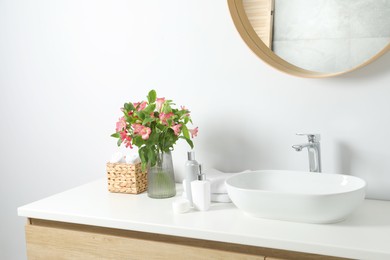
(322, 35)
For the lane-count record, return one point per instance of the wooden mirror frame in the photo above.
(254, 42)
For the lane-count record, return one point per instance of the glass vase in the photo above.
(161, 177)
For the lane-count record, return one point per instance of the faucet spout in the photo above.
(314, 151)
(299, 147)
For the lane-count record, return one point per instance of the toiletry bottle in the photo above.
(191, 172)
(201, 191)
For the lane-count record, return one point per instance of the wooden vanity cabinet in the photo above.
(59, 240)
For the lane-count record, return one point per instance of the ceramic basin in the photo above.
(296, 196)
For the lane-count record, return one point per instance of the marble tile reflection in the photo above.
(329, 55)
(330, 35)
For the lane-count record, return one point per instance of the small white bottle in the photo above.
(191, 172)
(201, 194)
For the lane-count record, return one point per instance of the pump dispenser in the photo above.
(201, 191)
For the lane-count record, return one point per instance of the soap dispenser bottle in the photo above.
(191, 172)
(201, 194)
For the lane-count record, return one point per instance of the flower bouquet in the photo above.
(154, 126)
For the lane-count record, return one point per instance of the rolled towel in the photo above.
(132, 158)
(117, 158)
(218, 187)
(218, 178)
(214, 197)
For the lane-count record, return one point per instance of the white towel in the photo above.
(132, 158)
(218, 178)
(117, 157)
(215, 197)
(217, 184)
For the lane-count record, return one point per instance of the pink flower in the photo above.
(176, 129)
(137, 128)
(141, 130)
(121, 124)
(160, 102)
(126, 139)
(127, 142)
(140, 105)
(164, 117)
(123, 135)
(194, 132)
(145, 132)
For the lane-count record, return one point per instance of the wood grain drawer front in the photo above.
(57, 243)
(53, 240)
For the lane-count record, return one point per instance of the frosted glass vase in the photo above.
(161, 178)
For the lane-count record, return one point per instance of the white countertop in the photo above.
(364, 235)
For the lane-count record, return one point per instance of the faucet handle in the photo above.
(311, 137)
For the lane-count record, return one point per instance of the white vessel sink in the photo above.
(296, 196)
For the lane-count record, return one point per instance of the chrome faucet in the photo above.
(314, 150)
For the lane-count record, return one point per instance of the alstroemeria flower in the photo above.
(140, 105)
(176, 129)
(142, 130)
(128, 142)
(126, 139)
(121, 124)
(194, 132)
(123, 135)
(159, 103)
(145, 132)
(164, 117)
(137, 128)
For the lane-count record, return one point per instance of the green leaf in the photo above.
(140, 114)
(185, 131)
(190, 143)
(116, 135)
(149, 109)
(166, 108)
(147, 120)
(151, 157)
(141, 153)
(167, 140)
(152, 96)
(128, 118)
(153, 138)
(160, 127)
(119, 142)
(129, 106)
(138, 141)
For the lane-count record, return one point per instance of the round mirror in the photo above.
(314, 38)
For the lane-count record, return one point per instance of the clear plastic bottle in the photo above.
(191, 172)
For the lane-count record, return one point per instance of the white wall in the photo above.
(66, 67)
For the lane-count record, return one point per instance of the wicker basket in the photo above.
(126, 178)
